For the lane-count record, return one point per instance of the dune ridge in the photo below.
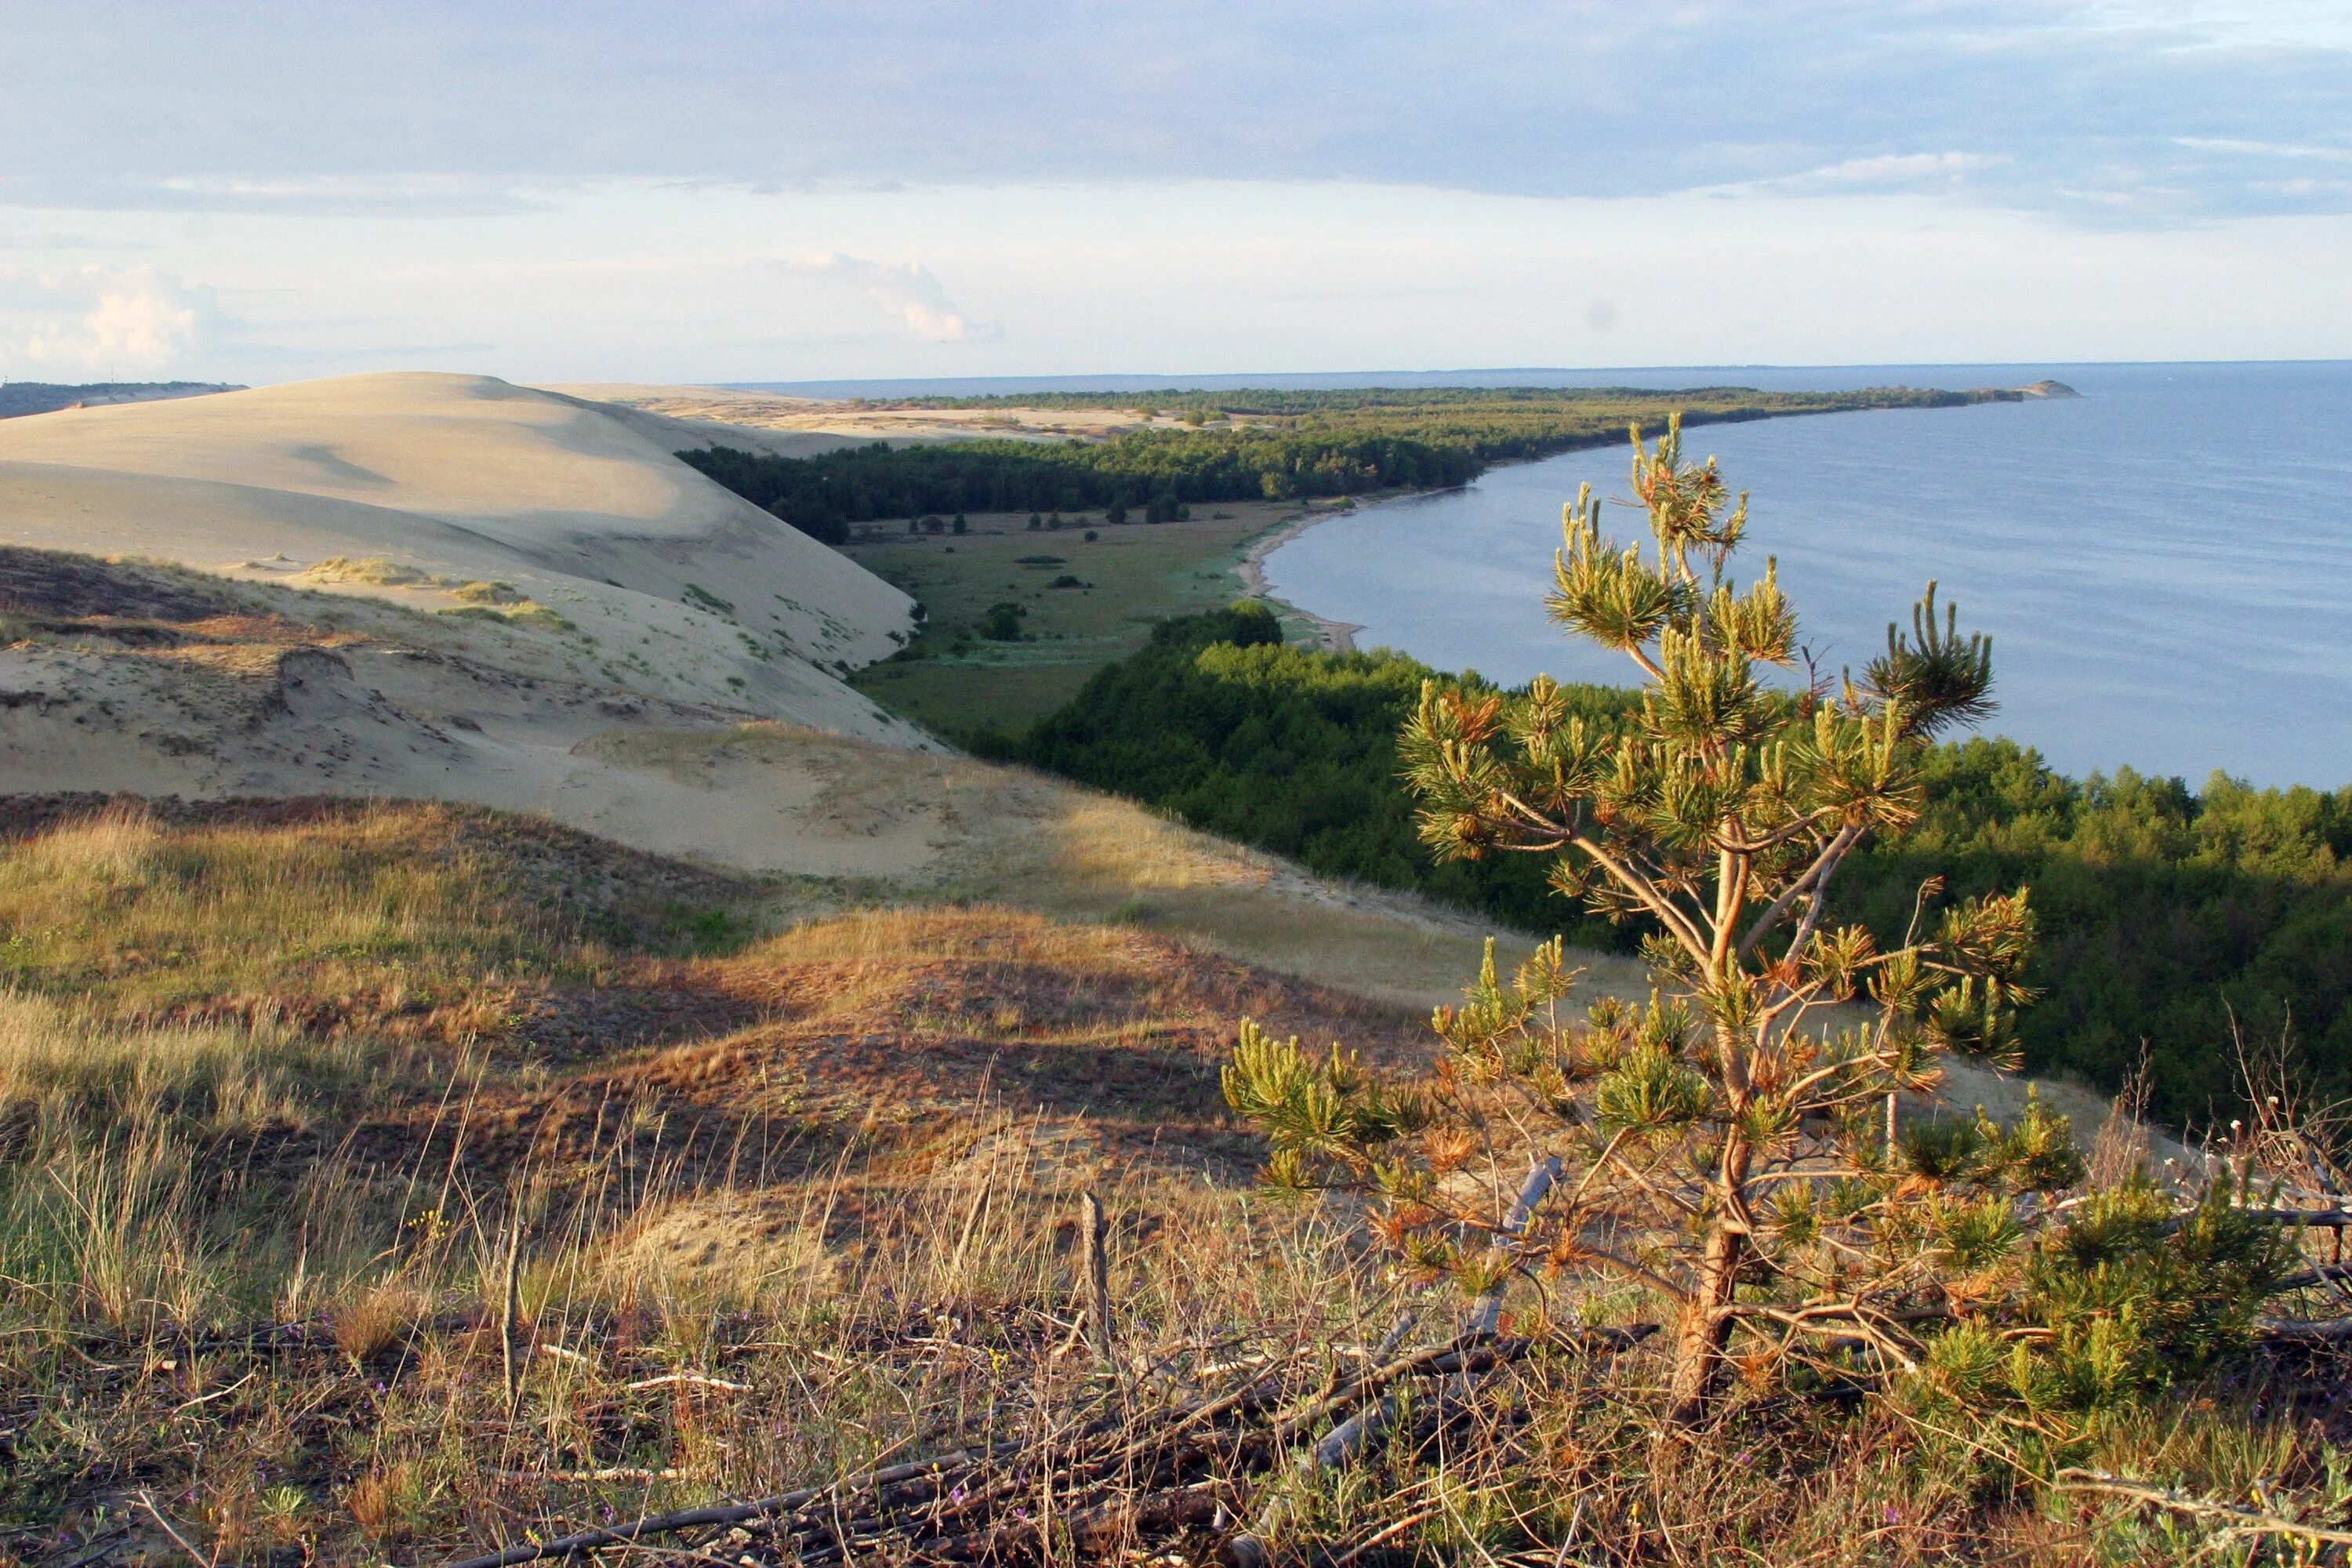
(464, 493)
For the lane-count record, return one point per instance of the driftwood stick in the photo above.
(1093, 1531)
(1353, 1434)
(2237, 1519)
(2296, 1331)
(2320, 1274)
(1182, 1507)
(2335, 1219)
(510, 1357)
(1249, 1400)
(1094, 1271)
(1348, 1440)
(738, 1513)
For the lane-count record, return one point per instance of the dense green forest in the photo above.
(1296, 443)
(2166, 913)
(1221, 721)
(1149, 473)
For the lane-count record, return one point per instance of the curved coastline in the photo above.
(1340, 636)
(1330, 635)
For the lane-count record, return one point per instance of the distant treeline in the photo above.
(1298, 444)
(1302, 402)
(1142, 473)
(21, 398)
(2166, 914)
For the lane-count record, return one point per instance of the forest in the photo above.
(2172, 917)
(1357, 401)
(1293, 445)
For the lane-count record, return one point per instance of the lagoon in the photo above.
(2165, 563)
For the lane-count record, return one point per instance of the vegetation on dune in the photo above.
(1219, 721)
(387, 1182)
(642, 1233)
(1730, 1153)
(2170, 920)
(272, 908)
(1295, 445)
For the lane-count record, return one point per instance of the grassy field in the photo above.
(955, 679)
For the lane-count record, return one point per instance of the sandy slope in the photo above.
(150, 680)
(784, 417)
(409, 488)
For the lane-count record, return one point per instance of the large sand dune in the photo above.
(465, 493)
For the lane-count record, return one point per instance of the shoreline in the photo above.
(1340, 636)
(1330, 635)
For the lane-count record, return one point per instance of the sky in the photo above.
(600, 190)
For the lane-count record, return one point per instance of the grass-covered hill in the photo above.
(2174, 920)
(280, 1080)
(388, 1182)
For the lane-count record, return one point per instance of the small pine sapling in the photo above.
(1721, 1143)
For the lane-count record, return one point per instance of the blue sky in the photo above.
(774, 192)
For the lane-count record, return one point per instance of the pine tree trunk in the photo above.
(1705, 1330)
(1704, 1333)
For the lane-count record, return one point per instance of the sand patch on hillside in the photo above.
(158, 681)
(871, 419)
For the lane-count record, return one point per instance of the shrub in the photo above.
(1720, 812)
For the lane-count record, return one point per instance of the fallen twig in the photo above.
(734, 1513)
(610, 1473)
(698, 1379)
(2297, 1332)
(2238, 1519)
(1151, 1467)
(178, 1540)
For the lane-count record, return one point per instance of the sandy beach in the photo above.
(1332, 637)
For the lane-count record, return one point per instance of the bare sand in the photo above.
(869, 420)
(452, 493)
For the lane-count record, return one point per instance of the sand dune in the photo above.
(126, 677)
(465, 493)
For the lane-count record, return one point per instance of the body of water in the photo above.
(2165, 563)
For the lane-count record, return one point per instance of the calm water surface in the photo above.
(2165, 563)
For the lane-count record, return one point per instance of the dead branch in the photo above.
(1148, 1468)
(717, 1514)
(2237, 1519)
(697, 1379)
(2296, 1331)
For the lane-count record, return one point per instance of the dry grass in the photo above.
(775, 1213)
(287, 909)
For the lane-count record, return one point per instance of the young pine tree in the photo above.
(1725, 1145)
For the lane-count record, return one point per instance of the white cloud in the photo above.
(2263, 149)
(1889, 171)
(906, 291)
(657, 281)
(102, 323)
